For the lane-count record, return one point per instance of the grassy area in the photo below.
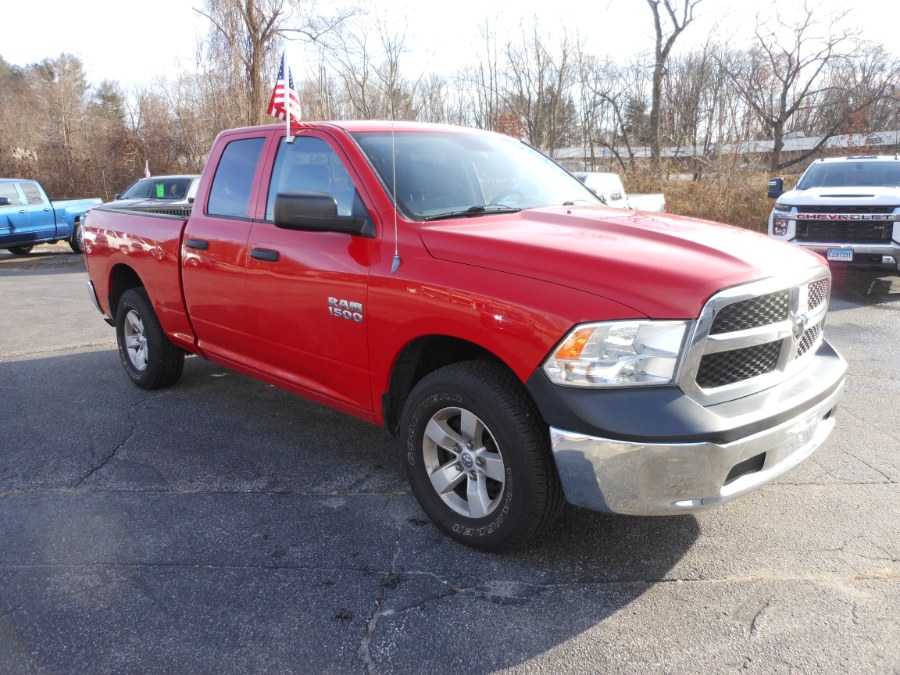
(734, 197)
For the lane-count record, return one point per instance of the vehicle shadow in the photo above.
(46, 259)
(863, 288)
(241, 526)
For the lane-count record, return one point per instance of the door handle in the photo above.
(265, 254)
(199, 244)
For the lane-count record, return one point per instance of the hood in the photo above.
(843, 196)
(663, 266)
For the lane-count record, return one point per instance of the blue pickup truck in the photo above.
(28, 217)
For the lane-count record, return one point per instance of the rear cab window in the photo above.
(32, 193)
(233, 183)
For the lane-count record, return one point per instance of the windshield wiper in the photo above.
(477, 210)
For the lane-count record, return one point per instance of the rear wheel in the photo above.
(478, 456)
(151, 361)
(21, 250)
(75, 239)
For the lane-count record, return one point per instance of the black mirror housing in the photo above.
(4, 201)
(313, 211)
(776, 187)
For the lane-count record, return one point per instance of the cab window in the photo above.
(9, 191)
(233, 182)
(32, 193)
(311, 165)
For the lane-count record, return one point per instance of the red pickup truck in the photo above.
(528, 345)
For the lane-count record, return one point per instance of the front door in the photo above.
(14, 217)
(308, 290)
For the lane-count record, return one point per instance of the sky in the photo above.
(135, 43)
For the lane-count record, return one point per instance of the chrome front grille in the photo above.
(751, 337)
(751, 313)
(840, 232)
(818, 293)
(723, 368)
(810, 337)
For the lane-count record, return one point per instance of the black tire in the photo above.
(25, 249)
(489, 480)
(151, 361)
(75, 239)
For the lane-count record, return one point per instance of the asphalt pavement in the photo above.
(226, 526)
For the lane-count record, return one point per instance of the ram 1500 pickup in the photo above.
(527, 344)
(847, 209)
(28, 217)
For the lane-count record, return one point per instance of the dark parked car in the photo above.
(160, 194)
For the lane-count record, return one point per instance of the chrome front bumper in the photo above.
(663, 479)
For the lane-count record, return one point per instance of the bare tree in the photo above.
(368, 63)
(791, 75)
(668, 24)
(537, 90)
(242, 44)
(615, 94)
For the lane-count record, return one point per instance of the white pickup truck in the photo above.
(846, 209)
(608, 186)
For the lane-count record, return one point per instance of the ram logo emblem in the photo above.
(345, 309)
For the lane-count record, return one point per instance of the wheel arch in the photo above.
(420, 357)
(121, 278)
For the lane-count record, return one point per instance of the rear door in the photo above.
(308, 290)
(214, 249)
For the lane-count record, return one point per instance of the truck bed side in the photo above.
(131, 249)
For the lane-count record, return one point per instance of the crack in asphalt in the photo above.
(888, 479)
(131, 431)
(389, 579)
(758, 614)
(890, 433)
(9, 612)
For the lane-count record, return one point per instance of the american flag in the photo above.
(284, 96)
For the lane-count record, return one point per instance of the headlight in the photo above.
(779, 226)
(618, 353)
(781, 215)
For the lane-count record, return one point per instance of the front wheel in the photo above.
(478, 456)
(21, 250)
(151, 361)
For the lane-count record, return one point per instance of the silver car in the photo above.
(160, 194)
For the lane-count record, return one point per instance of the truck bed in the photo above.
(149, 244)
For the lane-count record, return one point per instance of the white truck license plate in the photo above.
(840, 254)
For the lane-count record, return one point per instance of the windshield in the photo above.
(447, 174)
(851, 174)
(158, 188)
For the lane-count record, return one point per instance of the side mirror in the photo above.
(776, 187)
(119, 196)
(4, 201)
(315, 212)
